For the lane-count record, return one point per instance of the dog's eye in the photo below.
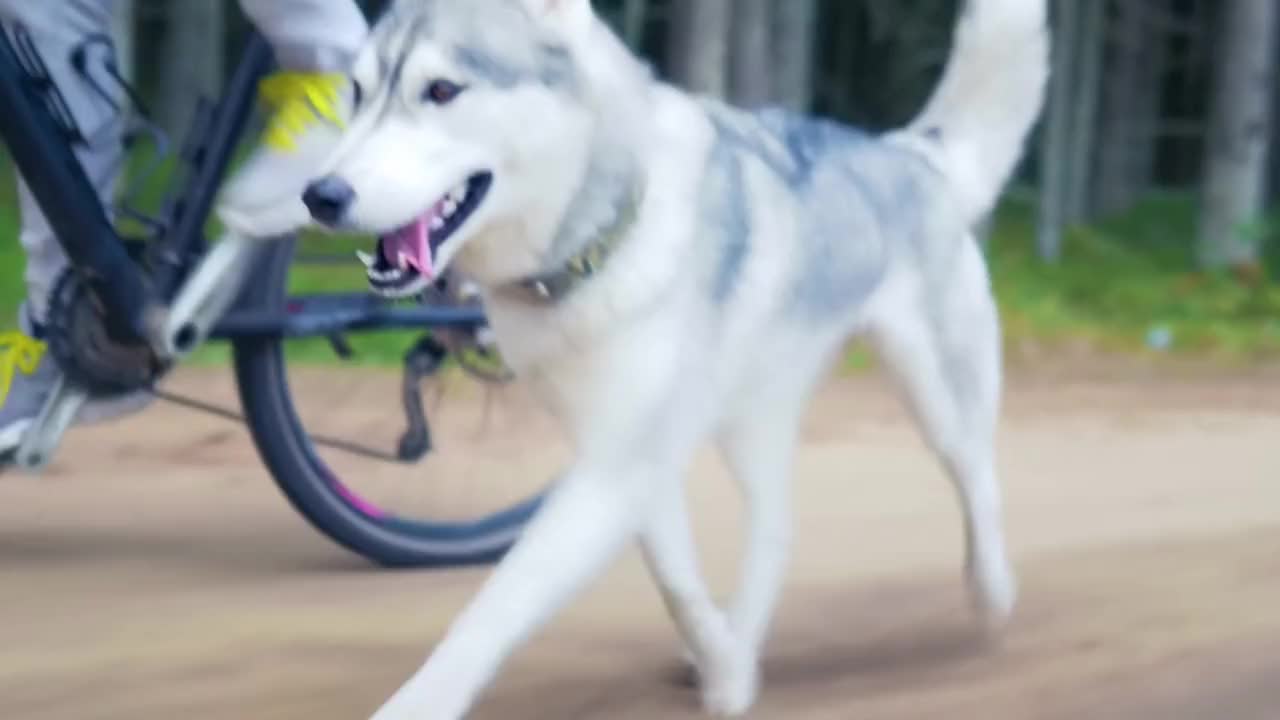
(441, 92)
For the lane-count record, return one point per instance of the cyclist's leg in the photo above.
(315, 42)
(310, 35)
(56, 29)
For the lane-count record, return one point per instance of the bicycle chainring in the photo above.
(85, 350)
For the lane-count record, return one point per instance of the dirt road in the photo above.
(155, 573)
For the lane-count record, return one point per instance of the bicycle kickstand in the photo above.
(41, 439)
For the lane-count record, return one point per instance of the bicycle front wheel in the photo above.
(459, 505)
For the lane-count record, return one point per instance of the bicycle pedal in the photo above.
(41, 440)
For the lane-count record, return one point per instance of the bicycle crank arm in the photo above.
(204, 298)
(43, 437)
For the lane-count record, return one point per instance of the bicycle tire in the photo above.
(285, 448)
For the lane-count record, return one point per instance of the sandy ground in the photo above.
(156, 573)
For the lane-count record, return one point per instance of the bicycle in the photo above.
(131, 308)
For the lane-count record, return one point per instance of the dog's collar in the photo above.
(555, 285)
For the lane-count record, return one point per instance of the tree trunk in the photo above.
(751, 79)
(1273, 161)
(1131, 109)
(1091, 37)
(1148, 113)
(1239, 134)
(699, 45)
(1056, 150)
(795, 51)
(191, 60)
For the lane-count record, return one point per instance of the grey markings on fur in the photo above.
(557, 68)
(608, 185)
(554, 69)
(724, 190)
(393, 56)
(858, 201)
(487, 67)
(496, 41)
(748, 134)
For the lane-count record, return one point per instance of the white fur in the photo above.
(991, 92)
(642, 369)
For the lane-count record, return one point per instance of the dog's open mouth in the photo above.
(404, 263)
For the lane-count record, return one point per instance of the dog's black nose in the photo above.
(328, 199)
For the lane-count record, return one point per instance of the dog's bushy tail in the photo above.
(976, 123)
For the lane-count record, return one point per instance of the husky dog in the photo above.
(666, 270)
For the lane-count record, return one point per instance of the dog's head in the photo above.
(471, 124)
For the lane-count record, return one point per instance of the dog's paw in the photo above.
(685, 674)
(730, 682)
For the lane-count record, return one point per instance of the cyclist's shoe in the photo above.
(309, 111)
(27, 375)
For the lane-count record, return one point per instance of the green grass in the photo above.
(12, 259)
(1119, 282)
(1124, 279)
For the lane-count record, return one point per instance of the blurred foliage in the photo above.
(1126, 278)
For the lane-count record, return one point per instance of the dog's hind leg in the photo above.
(758, 442)
(725, 665)
(939, 335)
(758, 451)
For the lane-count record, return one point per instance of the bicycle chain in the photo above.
(320, 440)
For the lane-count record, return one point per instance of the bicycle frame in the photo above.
(49, 165)
(54, 175)
(177, 294)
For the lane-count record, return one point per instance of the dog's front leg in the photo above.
(587, 520)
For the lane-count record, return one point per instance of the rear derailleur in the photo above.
(472, 348)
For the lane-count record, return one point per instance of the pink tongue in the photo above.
(413, 242)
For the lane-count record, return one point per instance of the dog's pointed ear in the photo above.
(571, 14)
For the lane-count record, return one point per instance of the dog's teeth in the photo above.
(368, 260)
(450, 207)
(437, 222)
(403, 261)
